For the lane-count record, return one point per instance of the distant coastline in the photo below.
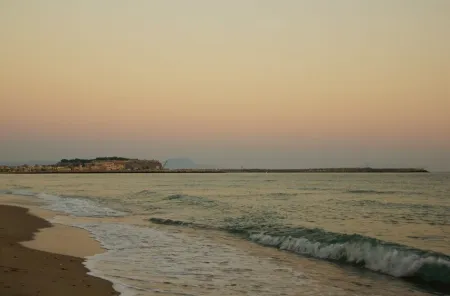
(121, 165)
(217, 171)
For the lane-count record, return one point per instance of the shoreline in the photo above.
(39, 258)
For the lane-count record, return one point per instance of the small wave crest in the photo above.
(369, 191)
(282, 194)
(145, 192)
(169, 222)
(382, 192)
(262, 219)
(314, 189)
(18, 191)
(191, 200)
(75, 206)
(80, 207)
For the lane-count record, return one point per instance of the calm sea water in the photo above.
(258, 234)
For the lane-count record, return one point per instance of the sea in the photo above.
(257, 234)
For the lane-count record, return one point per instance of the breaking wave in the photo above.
(380, 256)
(424, 267)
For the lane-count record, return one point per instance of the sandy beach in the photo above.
(49, 263)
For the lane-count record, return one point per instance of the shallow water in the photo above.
(221, 234)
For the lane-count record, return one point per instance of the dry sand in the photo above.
(25, 271)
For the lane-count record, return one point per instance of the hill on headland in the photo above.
(179, 163)
(186, 163)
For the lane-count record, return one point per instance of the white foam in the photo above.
(380, 258)
(143, 260)
(79, 207)
(22, 192)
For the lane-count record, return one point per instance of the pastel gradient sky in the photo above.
(291, 83)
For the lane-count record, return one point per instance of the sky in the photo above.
(276, 84)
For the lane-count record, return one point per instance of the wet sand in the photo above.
(25, 271)
(64, 240)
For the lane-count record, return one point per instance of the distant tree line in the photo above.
(111, 158)
(84, 161)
